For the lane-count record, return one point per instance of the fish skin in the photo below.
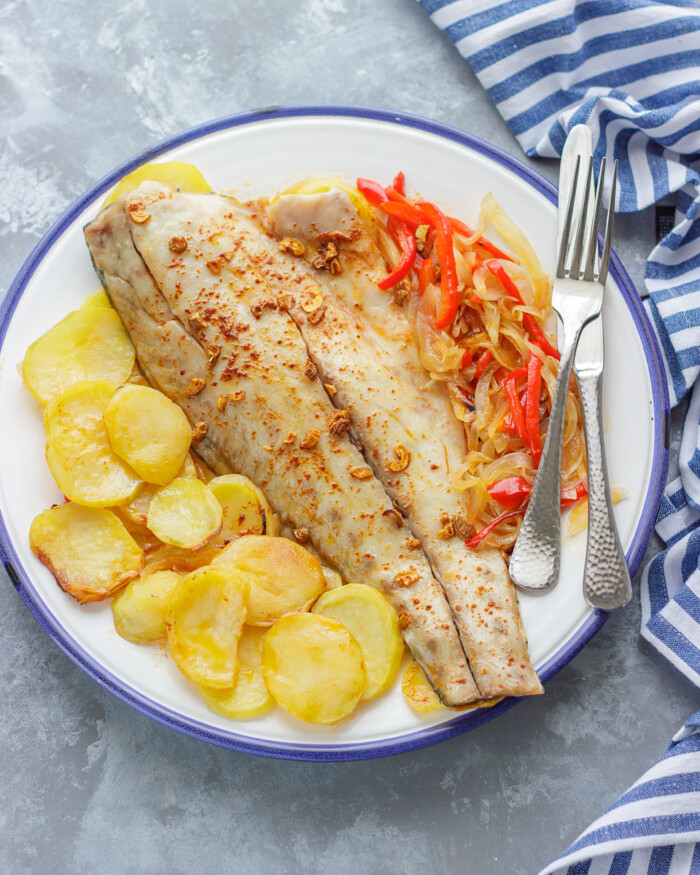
(365, 347)
(189, 316)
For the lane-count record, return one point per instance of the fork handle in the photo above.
(606, 579)
(534, 564)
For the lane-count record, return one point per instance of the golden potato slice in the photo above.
(313, 667)
(89, 344)
(176, 174)
(243, 513)
(333, 579)
(87, 550)
(97, 299)
(283, 576)
(136, 509)
(417, 690)
(84, 465)
(185, 514)
(205, 621)
(374, 624)
(149, 431)
(140, 610)
(250, 696)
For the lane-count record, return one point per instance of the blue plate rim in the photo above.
(425, 735)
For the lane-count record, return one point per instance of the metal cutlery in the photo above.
(606, 579)
(577, 298)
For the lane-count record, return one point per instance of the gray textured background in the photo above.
(87, 784)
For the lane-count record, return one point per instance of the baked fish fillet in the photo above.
(364, 347)
(209, 334)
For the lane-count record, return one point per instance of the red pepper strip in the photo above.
(407, 243)
(499, 272)
(532, 407)
(529, 320)
(425, 275)
(516, 408)
(404, 212)
(372, 191)
(399, 197)
(539, 336)
(510, 492)
(449, 302)
(466, 231)
(571, 496)
(479, 536)
(517, 373)
(399, 183)
(467, 359)
(482, 363)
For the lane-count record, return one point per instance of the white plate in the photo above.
(260, 153)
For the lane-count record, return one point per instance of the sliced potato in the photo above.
(84, 465)
(313, 667)
(176, 174)
(97, 299)
(243, 513)
(87, 550)
(140, 610)
(374, 624)
(283, 576)
(333, 579)
(205, 621)
(184, 514)
(250, 696)
(149, 431)
(135, 510)
(89, 344)
(417, 690)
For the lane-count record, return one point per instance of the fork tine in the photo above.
(607, 245)
(575, 272)
(566, 229)
(588, 273)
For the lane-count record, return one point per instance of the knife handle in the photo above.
(606, 579)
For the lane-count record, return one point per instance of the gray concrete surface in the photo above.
(87, 784)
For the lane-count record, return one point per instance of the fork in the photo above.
(577, 298)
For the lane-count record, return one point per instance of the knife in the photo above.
(606, 579)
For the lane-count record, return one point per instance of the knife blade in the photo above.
(606, 580)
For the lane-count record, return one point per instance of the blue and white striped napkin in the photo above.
(630, 70)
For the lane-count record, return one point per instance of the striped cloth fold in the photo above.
(630, 70)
